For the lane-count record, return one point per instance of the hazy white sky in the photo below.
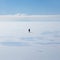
(26, 17)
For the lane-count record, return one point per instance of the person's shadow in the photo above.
(29, 30)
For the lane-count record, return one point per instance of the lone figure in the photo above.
(28, 30)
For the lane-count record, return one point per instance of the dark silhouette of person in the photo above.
(28, 30)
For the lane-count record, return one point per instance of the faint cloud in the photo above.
(26, 17)
(13, 44)
(48, 43)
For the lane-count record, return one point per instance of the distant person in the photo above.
(28, 30)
